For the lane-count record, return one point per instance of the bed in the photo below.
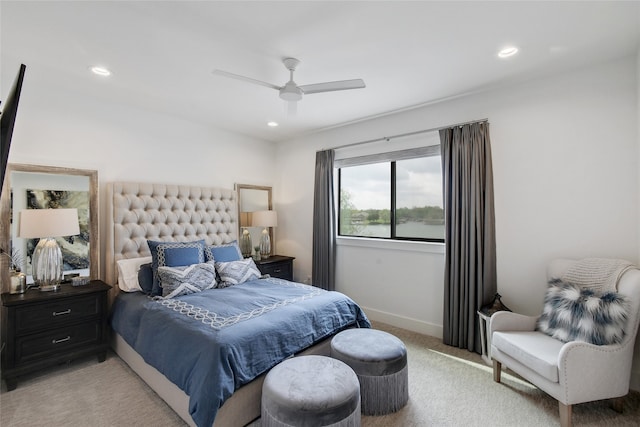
(205, 349)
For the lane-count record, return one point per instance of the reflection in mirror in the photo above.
(252, 198)
(43, 187)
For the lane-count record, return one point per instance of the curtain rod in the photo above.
(387, 138)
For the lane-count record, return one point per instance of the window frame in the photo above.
(391, 158)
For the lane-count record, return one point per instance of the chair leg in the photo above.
(565, 414)
(617, 404)
(497, 370)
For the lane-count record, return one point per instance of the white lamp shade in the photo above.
(36, 223)
(265, 219)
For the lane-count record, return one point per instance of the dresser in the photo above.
(41, 329)
(279, 266)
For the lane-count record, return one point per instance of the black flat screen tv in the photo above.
(7, 120)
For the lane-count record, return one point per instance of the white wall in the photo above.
(565, 158)
(59, 125)
(635, 380)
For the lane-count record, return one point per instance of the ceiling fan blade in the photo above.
(246, 79)
(332, 86)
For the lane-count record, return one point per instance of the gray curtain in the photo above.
(324, 223)
(470, 254)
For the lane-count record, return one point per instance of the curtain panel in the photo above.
(324, 223)
(470, 254)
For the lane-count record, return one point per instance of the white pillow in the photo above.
(128, 273)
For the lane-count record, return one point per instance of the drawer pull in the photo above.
(60, 313)
(67, 338)
(277, 270)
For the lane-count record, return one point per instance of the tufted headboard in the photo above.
(141, 211)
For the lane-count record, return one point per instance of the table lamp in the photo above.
(265, 219)
(45, 224)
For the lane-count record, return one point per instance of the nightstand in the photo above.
(41, 329)
(277, 266)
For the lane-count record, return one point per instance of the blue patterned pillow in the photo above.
(572, 313)
(173, 254)
(186, 280)
(236, 272)
(225, 253)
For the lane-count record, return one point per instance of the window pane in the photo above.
(365, 200)
(419, 210)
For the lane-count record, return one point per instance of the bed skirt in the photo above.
(240, 409)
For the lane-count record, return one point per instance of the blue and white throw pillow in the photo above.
(173, 254)
(572, 313)
(236, 272)
(186, 280)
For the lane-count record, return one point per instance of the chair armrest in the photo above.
(605, 368)
(509, 321)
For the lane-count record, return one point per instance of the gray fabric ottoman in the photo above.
(311, 391)
(380, 361)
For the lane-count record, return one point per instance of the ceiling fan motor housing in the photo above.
(291, 92)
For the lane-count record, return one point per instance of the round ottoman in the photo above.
(380, 361)
(311, 391)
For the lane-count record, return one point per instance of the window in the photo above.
(394, 195)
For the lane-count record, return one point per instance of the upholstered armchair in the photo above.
(575, 371)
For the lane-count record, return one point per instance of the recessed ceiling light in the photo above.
(101, 71)
(508, 51)
(272, 124)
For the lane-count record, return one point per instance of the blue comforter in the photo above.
(211, 343)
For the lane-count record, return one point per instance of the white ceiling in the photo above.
(162, 53)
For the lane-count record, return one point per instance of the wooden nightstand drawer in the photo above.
(277, 266)
(277, 270)
(36, 346)
(51, 314)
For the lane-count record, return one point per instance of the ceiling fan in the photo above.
(291, 91)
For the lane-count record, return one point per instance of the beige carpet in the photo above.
(447, 387)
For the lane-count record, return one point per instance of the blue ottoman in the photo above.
(311, 391)
(380, 361)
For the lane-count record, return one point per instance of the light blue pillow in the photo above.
(186, 280)
(173, 254)
(236, 272)
(226, 253)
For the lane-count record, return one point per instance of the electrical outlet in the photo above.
(308, 281)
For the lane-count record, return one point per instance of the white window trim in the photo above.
(391, 244)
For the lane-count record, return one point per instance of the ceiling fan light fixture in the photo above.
(291, 92)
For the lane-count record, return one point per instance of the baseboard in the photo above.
(414, 325)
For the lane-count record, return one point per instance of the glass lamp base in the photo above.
(245, 244)
(47, 265)
(265, 244)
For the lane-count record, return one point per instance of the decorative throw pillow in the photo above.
(574, 314)
(145, 278)
(173, 254)
(225, 253)
(186, 280)
(236, 272)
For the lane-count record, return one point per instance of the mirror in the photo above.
(35, 186)
(252, 198)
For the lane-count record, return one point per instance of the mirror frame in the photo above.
(5, 211)
(239, 188)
